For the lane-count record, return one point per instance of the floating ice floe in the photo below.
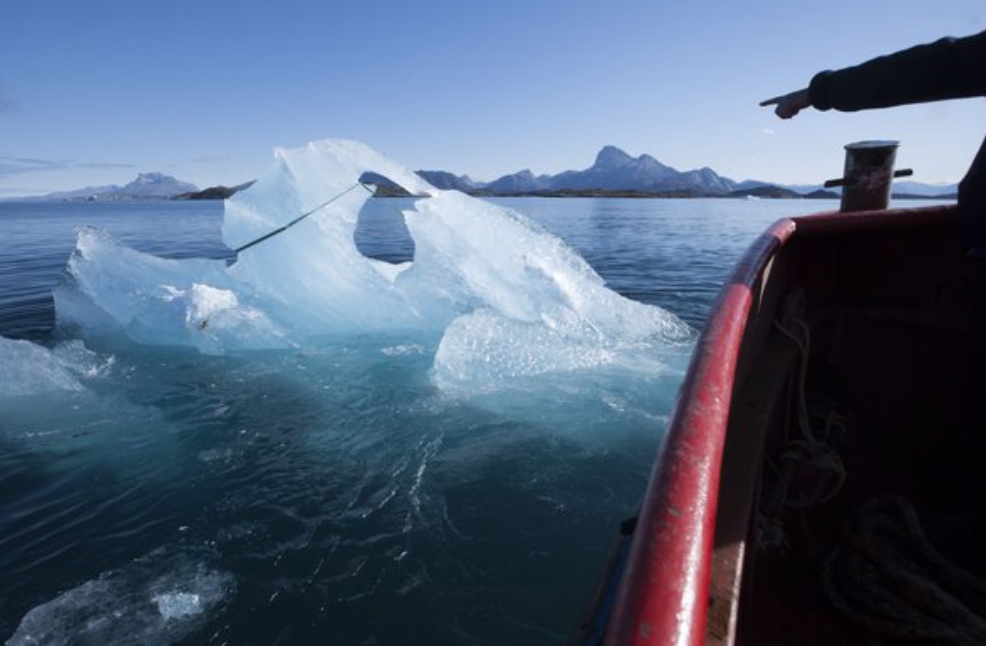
(161, 598)
(507, 297)
(31, 369)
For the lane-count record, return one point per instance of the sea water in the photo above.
(331, 493)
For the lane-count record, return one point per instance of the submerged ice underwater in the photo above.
(309, 445)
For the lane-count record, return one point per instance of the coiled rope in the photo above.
(810, 448)
(886, 577)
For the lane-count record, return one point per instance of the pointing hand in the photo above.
(789, 105)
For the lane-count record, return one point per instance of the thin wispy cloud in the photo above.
(768, 131)
(18, 165)
(10, 165)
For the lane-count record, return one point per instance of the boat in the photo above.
(823, 476)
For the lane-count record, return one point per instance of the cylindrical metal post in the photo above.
(868, 174)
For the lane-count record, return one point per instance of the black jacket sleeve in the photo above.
(950, 68)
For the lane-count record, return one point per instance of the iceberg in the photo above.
(506, 297)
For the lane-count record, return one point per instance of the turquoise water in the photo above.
(331, 495)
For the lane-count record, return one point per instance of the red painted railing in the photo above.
(663, 594)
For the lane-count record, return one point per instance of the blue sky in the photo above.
(93, 92)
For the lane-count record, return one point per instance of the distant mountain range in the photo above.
(615, 170)
(145, 186)
(613, 173)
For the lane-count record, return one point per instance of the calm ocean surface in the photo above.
(329, 496)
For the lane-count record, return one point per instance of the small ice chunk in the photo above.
(178, 604)
(30, 369)
(161, 598)
(403, 349)
(207, 301)
(112, 291)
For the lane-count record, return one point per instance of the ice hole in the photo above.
(381, 232)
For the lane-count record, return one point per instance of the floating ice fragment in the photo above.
(161, 599)
(112, 291)
(30, 369)
(403, 349)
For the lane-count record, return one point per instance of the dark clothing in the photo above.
(951, 68)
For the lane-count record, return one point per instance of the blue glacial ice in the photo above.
(507, 298)
(31, 369)
(160, 598)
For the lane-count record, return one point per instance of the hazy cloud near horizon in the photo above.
(10, 165)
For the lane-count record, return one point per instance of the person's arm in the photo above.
(951, 68)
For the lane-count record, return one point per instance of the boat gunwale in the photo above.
(663, 595)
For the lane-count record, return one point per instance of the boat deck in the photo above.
(891, 389)
(823, 474)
